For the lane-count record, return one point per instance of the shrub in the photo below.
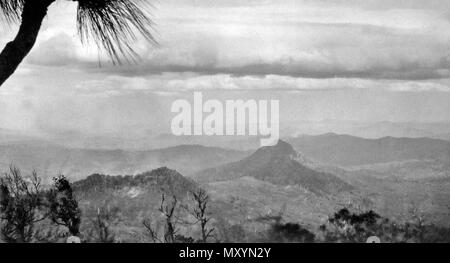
(21, 200)
(64, 209)
(290, 232)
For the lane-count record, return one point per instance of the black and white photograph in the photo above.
(225, 122)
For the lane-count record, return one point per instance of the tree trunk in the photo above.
(33, 14)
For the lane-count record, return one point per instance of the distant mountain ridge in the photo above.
(443, 136)
(346, 150)
(49, 159)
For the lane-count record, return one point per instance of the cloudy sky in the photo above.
(343, 60)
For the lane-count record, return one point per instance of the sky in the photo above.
(352, 60)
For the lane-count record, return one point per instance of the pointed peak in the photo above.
(281, 148)
(284, 148)
(281, 142)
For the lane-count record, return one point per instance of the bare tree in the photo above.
(101, 226)
(152, 231)
(112, 24)
(20, 202)
(200, 213)
(167, 209)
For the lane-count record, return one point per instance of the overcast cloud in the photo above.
(363, 50)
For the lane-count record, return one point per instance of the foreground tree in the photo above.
(111, 24)
(63, 206)
(349, 227)
(200, 212)
(167, 209)
(102, 226)
(21, 200)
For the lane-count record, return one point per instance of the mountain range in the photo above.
(386, 157)
(49, 159)
(272, 181)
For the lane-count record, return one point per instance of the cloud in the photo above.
(309, 39)
(311, 43)
(171, 84)
(58, 50)
(55, 100)
(387, 4)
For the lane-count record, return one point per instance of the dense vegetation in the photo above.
(30, 212)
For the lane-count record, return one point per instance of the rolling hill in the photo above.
(159, 180)
(131, 199)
